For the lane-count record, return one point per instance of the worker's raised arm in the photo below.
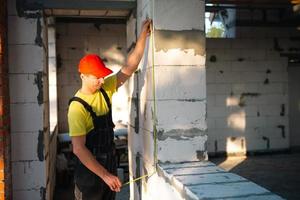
(135, 56)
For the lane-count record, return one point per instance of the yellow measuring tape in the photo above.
(154, 115)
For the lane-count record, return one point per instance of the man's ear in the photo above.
(81, 76)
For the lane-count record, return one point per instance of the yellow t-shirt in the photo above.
(79, 119)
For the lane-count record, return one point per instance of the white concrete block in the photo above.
(249, 110)
(228, 190)
(250, 32)
(11, 8)
(250, 77)
(74, 53)
(279, 143)
(254, 122)
(274, 121)
(174, 57)
(211, 123)
(23, 88)
(68, 66)
(273, 133)
(28, 175)
(245, 66)
(210, 77)
(276, 99)
(211, 100)
(188, 151)
(221, 54)
(255, 144)
(218, 43)
(131, 35)
(73, 28)
(26, 117)
(228, 77)
(270, 110)
(239, 88)
(103, 43)
(254, 54)
(180, 83)
(21, 30)
(273, 88)
(257, 14)
(216, 111)
(278, 77)
(62, 53)
(244, 14)
(24, 146)
(211, 88)
(221, 122)
(187, 115)
(254, 100)
(272, 55)
(72, 41)
(34, 194)
(244, 43)
(221, 100)
(188, 15)
(20, 61)
(277, 65)
(222, 66)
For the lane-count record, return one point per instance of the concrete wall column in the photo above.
(5, 169)
(29, 109)
(179, 43)
(173, 99)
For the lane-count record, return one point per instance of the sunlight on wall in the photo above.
(115, 61)
(232, 101)
(237, 121)
(236, 146)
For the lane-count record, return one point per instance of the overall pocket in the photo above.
(83, 177)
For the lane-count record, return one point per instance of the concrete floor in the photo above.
(279, 173)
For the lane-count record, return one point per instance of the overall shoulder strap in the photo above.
(85, 105)
(106, 98)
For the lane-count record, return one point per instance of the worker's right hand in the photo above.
(113, 182)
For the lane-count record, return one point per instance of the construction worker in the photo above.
(91, 125)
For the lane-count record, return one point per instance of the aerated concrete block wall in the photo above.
(27, 46)
(106, 40)
(173, 94)
(247, 88)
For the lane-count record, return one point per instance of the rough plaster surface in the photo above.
(173, 84)
(183, 40)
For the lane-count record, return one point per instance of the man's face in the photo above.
(93, 82)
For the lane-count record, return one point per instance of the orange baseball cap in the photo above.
(92, 64)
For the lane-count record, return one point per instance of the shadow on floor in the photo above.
(279, 173)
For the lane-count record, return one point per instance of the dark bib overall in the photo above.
(100, 141)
